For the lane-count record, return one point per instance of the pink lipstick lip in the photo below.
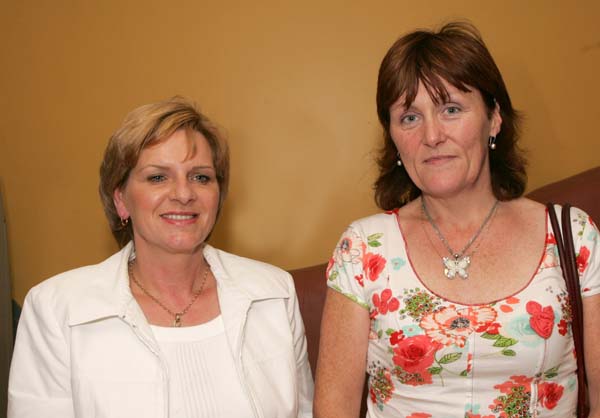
(438, 158)
(180, 213)
(179, 218)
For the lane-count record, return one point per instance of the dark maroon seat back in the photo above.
(581, 190)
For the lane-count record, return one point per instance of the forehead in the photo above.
(182, 145)
(438, 92)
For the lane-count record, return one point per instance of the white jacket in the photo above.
(84, 348)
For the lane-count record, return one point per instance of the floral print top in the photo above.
(430, 357)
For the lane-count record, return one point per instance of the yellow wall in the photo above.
(291, 83)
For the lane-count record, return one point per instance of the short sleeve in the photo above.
(587, 249)
(346, 272)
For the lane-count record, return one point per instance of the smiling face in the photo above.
(443, 146)
(171, 195)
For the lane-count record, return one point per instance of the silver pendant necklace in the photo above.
(458, 263)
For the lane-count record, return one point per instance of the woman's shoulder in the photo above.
(530, 206)
(79, 281)
(579, 217)
(77, 295)
(375, 223)
(233, 261)
(247, 272)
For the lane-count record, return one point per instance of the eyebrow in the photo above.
(164, 167)
(399, 105)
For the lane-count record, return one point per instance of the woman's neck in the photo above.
(462, 211)
(169, 274)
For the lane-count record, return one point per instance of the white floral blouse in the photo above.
(431, 357)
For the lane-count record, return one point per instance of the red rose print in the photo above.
(492, 328)
(549, 394)
(582, 259)
(373, 265)
(396, 337)
(419, 415)
(360, 279)
(414, 354)
(562, 327)
(386, 302)
(550, 239)
(542, 319)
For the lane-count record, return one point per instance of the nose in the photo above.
(433, 134)
(183, 191)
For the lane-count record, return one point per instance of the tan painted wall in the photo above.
(292, 83)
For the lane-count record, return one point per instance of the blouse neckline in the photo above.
(448, 300)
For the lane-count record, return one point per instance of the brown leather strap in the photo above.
(568, 262)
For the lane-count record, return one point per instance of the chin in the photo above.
(185, 246)
(441, 190)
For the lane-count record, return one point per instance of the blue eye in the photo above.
(156, 178)
(407, 119)
(201, 178)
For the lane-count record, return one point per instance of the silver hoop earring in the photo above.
(492, 142)
(124, 222)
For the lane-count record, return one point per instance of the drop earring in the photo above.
(492, 142)
(399, 161)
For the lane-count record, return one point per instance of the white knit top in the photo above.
(202, 378)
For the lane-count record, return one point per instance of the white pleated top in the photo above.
(202, 378)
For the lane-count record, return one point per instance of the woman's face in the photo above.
(171, 195)
(444, 146)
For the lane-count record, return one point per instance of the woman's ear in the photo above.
(119, 202)
(496, 120)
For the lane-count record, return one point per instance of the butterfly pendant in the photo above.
(456, 265)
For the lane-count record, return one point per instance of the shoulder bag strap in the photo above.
(568, 262)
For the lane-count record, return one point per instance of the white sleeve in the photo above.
(587, 250)
(40, 377)
(346, 273)
(304, 375)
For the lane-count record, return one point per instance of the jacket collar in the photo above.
(249, 279)
(105, 290)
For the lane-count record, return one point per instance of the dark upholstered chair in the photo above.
(581, 190)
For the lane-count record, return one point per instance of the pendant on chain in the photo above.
(456, 265)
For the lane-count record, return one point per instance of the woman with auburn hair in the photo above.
(169, 326)
(453, 300)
